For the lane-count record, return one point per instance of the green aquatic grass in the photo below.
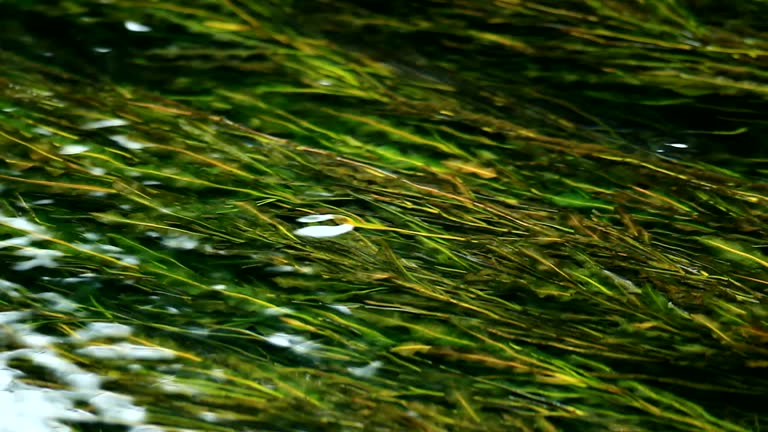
(521, 259)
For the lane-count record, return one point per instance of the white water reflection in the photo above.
(366, 371)
(126, 351)
(39, 258)
(31, 408)
(99, 124)
(180, 241)
(322, 231)
(136, 27)
(297, 344)
(103, 330)
(126, 142)
(73, 149)
(22, 224)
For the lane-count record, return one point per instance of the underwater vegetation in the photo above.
(455, 215)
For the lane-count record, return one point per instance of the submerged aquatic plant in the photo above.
(523, 256)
